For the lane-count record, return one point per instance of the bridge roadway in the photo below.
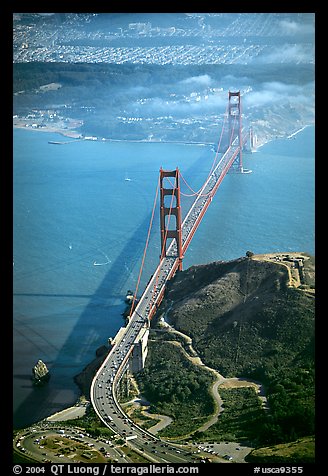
(103, 394)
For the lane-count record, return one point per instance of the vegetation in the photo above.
(287, 453)
(177, 388)
(141, 419)
(32, 75)
(244, 321)
(241, 419)
(104, 95)
(91, 424)
(291, 400)
(59, 445)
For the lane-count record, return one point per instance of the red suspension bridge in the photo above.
(129, 347)
(176, 234)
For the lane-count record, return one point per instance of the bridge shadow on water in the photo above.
(60, 392)
(89, 329)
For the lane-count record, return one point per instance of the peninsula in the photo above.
(225, 362)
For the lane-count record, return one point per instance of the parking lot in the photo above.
(230, 451)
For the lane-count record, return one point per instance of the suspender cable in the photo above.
(145, 251)
(212, 168)
(225, 116)
(163, 247)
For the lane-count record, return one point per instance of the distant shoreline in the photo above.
(76, 135)
(66, 133)
(73, 134)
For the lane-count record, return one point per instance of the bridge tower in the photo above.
(235, 128)
(168, 208)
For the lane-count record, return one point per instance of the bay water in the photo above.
(81, 216)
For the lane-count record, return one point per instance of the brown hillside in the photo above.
(246, 310)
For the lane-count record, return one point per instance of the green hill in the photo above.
(250, 317)
(243, 317)
(287, 453)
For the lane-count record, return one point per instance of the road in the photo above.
(49, 443)
(103, 396)
(140, 440)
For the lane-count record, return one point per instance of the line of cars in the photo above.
(103, 395)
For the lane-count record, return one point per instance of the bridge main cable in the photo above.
(145, 251)
(134, 336)
(206, 194)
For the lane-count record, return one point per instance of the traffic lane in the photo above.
(164, 453)
(125, 430)
(161, 448)
(119, 423)
(158, 279)
(109, 410)
(113, 415)
(115, 419)
(150, 295)
(145, 443)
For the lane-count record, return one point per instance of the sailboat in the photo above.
(127, 179)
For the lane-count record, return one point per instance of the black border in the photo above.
(6, 15)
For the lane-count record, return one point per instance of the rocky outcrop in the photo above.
(40, 373)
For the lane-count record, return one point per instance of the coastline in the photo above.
(78, 410)
(293, 134)
(84, 379)
(74, 134)
(65, 133)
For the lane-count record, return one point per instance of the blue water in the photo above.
(73, 207)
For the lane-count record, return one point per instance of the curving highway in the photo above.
(103, 388)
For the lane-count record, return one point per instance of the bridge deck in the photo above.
(102, 391)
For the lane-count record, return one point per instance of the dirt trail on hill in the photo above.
(219, 381)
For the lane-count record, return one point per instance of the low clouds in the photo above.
(279, 92)
(195, 105)
(202, 80)
(291, 28)
(204, 101)
(288, 53)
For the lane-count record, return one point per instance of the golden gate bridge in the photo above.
(176, 234)
(129, 347)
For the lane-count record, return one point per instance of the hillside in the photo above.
(154, 101)
(284, 453)
(253, 318)
(246, 309)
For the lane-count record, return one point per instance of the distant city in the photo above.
(203, 39)
(162, 76)
(224, 377)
